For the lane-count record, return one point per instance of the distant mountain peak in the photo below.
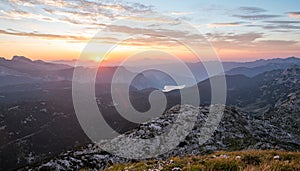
(279, 59)
(21, 58)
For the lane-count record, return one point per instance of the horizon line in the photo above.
(92, 61)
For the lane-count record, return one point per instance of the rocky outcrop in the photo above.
(236, 131)
(284, 121)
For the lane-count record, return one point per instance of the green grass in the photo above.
(250, 160)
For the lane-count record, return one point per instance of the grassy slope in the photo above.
(238, 160)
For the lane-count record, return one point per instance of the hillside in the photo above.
(236, 131)
(238, 160)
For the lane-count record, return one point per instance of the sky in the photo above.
(236, 30)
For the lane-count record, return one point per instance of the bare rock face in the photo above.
(289, 105)
(285, 119)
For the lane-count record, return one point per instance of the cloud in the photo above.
(70, 38)
(282, 22)
(181, 34)
(19, 14)
(237, 38)
(180, 13)
(232, 24)
(273, 28)
(277, 45)
(83, 12)
(42, 35)
(150, 40)
(279, 25)
(294, 14)
(250, 44)
(140, 36)
(256, 17)
(143, 31)
(153, 18)
(281, 31)
(252, 10)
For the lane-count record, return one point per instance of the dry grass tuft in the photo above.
(250, 160)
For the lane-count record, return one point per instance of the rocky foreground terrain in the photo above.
(236, 131)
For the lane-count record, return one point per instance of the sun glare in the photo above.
(97, 58)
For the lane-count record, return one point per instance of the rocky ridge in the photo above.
(236, 131)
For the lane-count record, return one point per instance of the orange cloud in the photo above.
(44, 35)
(225, 24)
(294, 14)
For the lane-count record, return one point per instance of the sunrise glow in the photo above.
(51, 32)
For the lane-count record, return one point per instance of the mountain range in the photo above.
(20, 70)
(39, 128)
